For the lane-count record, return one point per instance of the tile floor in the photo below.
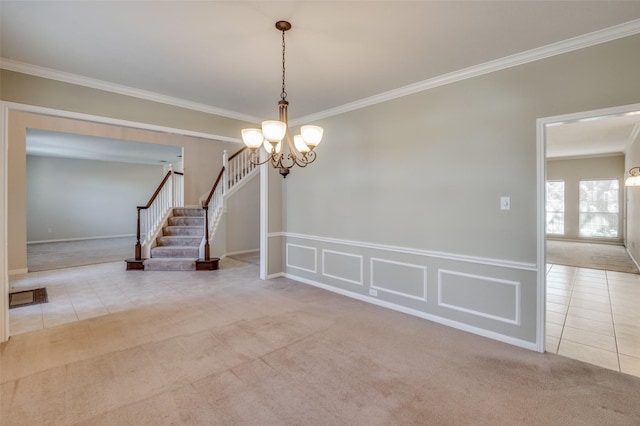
(593, 316)
(90, 291)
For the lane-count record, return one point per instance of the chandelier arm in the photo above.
(254, 158)
(306, 159)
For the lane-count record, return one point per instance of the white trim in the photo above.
(113, 121)
(575, 43)
(79, 80)
(4, 243)
(276, 275)
(399, 293)
(315, 258)
(264, 222)
(405, 250)
(242, 252)
(450, 323)
(632, 258)
(541, 289)
(62, 240)
(361, 282)
(517, 301)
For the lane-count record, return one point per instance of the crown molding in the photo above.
(569, 45)
(24, 68)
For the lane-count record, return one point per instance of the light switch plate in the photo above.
(505, 203)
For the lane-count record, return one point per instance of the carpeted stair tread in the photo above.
(183, 230)
(186, 221)
(175, 251)
(183, 211)
(179, 240)
(170, 264)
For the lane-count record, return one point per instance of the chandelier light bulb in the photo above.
(268, 146)
(273, 130)
(300, 145)
(252, 138)
(312, 135)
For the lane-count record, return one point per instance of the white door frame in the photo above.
(541, 154)
(5, 109)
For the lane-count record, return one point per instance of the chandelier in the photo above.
(301, 151)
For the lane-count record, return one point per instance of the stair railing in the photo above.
(234, 170)
(169, 194)
(238, 166)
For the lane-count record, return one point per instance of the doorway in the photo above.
(121, 130)
(585, 309)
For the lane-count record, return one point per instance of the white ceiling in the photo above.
(226, 54)
(592, 136)
(66, 145)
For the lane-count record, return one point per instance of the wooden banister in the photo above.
(213, 189)
(205, 204)
(237, 153)
(138, 252)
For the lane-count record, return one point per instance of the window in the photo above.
(555, 207)
(599, 208)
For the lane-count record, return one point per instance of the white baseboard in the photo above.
(243, 252)
(632, 258)
(21, 271)
(62, 240)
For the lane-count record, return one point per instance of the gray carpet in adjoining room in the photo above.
(66, 254)
(587, 255)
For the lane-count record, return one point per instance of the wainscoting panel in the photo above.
(302, 257)
(486, 297)
(399, 278)
(495, 298)
(343, 266)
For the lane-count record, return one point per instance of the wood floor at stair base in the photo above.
(207, 265)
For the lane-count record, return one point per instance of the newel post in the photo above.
(138, 245)
(207, 256)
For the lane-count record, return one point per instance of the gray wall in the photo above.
(73, 199)
(243, 218)
(402, 206)
(571, 171)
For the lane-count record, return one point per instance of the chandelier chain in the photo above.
(283, 95)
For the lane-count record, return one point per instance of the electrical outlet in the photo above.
(373, 292)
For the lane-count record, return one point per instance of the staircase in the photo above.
(184, 243)
(179, 246)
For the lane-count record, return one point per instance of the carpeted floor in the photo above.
(66, 254)
(586, 255)
(223, 347)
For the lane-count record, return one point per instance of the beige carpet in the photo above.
(594, 256)
(66, 254)
(230, 349)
